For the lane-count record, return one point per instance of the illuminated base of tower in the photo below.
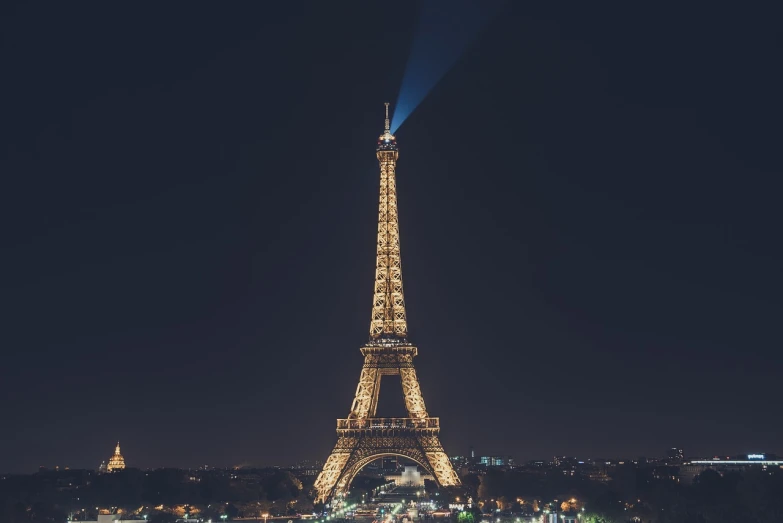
(375, 438)
(363, 438)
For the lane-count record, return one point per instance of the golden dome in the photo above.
(116, 462)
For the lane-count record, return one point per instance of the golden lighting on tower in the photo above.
(363, 437)
(388, 306)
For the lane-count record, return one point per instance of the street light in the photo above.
(265, 515)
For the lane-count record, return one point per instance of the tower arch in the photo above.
(344, 484)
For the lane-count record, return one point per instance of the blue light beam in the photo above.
(445, 29)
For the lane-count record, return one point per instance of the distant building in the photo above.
(691, 469)
(565, 461)
(116, 462)
(596, 474)
(458, 462)
(493, 461)
(409, 477)
(675, 455)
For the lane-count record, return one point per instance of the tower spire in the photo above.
(388, 307)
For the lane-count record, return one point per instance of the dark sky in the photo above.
(590, 217)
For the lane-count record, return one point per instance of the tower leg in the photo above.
(366, 399)
(334, 468)
(414, 401)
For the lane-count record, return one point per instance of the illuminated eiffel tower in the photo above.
(362, 437)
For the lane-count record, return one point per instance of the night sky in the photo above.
(590, 226)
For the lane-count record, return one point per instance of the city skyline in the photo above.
(481, 461)
(482, 457)
(590, 245)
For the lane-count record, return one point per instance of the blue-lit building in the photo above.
(494, 461)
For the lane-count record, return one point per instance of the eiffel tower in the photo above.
(362, 437)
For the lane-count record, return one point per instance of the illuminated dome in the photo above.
(116, 462)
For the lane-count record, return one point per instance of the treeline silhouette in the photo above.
(637, 495)
(54, 495)
(633, 494)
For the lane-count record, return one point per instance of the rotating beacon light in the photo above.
(387, 141)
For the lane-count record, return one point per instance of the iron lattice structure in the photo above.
(363, 437)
